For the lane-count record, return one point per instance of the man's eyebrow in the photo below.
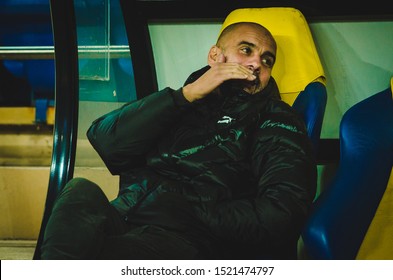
(268, 53)
(247, 43)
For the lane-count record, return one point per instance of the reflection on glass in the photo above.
(105, 69)
(92, 19)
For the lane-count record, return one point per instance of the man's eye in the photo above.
(246, 50)
(268, 62)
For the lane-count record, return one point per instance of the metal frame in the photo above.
(66, 105)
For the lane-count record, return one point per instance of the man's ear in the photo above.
(213, 55)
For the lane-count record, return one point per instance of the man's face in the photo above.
(249, 46)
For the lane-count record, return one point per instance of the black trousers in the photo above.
(84, 225)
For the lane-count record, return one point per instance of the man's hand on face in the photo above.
(219, 72)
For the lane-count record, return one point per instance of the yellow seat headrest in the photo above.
(391, 85)
(297, 62)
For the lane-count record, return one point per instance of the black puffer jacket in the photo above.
(234, 166)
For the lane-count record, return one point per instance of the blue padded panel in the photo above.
(344, 211)
(41, 76)
(15, 67)
(311, 104)
(41, 106)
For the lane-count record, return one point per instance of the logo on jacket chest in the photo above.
(226, 119)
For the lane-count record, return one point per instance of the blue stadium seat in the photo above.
(344, 210)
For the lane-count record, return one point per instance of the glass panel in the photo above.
(26, 53)
(105, 69)
(92, 20)
(106, 79)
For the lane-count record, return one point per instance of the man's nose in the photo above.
(254, 68)
(254, 63)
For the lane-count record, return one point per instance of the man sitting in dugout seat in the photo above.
(219, 169)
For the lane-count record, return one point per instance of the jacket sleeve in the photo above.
(124, 136)
(284, 164)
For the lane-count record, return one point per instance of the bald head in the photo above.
(250, 45)
(265, 33)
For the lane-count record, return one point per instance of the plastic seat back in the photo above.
(343, 212)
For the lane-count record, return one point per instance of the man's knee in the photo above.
(81, 190)
(81, 184)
